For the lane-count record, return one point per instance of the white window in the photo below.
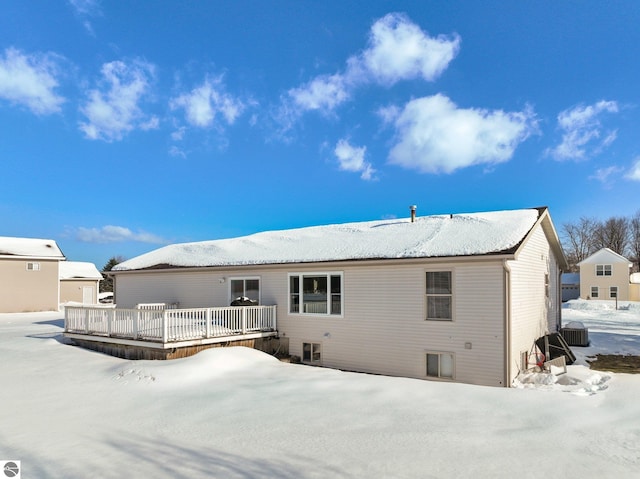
(440, 365)
(439, 295)
(245, 288)
(603, 270)
(613, 292)
(316, 293)
(594, 292)
(33, 266)
(311, 353)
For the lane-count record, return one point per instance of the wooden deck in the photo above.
(169, 328)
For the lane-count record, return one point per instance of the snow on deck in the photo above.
(430, 236)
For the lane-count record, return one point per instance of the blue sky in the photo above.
(129, 125)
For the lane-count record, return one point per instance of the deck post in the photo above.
(165, 326)
(86, 321)
(136, 317)
(110, 316)
(208, 320)
(273, 317)
(244, 320)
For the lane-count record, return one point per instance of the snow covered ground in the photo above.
(237, 413)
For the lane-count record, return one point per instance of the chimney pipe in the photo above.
(413, 212)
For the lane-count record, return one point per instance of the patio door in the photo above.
(245, 288)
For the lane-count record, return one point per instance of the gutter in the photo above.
(507, 322)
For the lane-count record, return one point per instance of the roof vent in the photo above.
(413, 212)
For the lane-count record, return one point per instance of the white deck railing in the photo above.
(170, 325)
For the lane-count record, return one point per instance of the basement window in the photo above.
(33, 266)
(440, 365)
(311, 353)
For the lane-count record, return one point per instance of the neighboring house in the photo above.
(570, 286)
(605, 275)
(29, 272)
(79, 282)
(456, 297)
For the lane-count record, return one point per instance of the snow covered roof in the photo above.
(79, 270)
(429, 236)
(605, 255)
(29, 248)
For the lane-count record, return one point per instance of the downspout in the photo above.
(507, 322)
(559, 301)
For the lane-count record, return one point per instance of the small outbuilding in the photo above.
(79, 282)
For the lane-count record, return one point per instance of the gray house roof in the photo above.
(429, 236)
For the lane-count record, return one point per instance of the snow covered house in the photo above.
(605, 275)
(457, 297)
(79, 282)
(29, 271)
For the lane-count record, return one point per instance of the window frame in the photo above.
(604, 270)
(613, 292)
(244, 279)
(312, 353)
(33, 266)
(450, 295)
(439, 354)
(597, 291)
(300, 293)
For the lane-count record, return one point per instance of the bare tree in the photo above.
(613, 234)
(578, 240)
(634, 240)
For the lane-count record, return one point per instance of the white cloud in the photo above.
(634, 172)
(324, 92)
(351, 158)
(177, 152)
(85, 9)
(116, 234)
(30, 80)
(397, 50)
(209, 101)
(433, 135)
(582, 131)
(603, 175)
(114, 112)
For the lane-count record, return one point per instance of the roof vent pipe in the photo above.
(413, 212)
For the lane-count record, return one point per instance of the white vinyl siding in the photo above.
(384, 329)
(534, 312)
